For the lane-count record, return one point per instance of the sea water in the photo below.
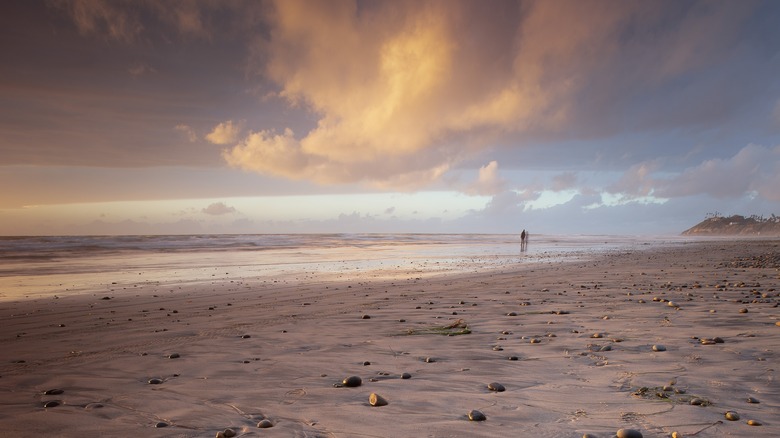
(58, 265)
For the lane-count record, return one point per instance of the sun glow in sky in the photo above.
(559, 116)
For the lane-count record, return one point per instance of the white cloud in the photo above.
(225, 132)
(218, 208)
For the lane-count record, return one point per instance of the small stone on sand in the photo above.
(476, 415)
(629, 433)
(161, 424)
(265, 424)
(754, 423)
(732, 416)
(352, 381)
(155, 381)
(55, 391)
(376, 400)
(173, 356)
(51, 404)
(366, 317)
(752, 400)
(659, 347)
(406, 376)
(494, 386)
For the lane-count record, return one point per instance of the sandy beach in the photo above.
(659, 340)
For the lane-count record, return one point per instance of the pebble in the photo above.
(659, 347)
(754, 423)
(406, 376)
(366, 316)
(629, 433)
(513, 358)
(752, 400)
(732, 416)
(55, 391)
(476, 415)
(352, 381)
(429, 360)
(51, 404)
(676, 434)
(161, 424)
(493, 386)
(743, 310)
(173, 356)
(376, 400)
(265, 424)
(155, 381)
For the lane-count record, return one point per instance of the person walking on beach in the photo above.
(523, 240)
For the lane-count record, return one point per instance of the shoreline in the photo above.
(249, 351)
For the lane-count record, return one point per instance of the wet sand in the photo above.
(571, 343)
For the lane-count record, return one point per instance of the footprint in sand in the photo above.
(293, 396)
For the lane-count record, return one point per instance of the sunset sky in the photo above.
(583, 117)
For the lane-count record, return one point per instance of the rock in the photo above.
(161, 424)
(51, 404)
(173, 356)
(155, 381)
(430, 360)
(752, 400)
(352, 382)
(629, 433)
(476, 415)
(659, 347)
(376, 400)
(55, 391)
(493, 386)
(265, 424)
(406, 376)
(228, 433)
(366, 317)
(754, 423)
(246, 336)
(732, 416)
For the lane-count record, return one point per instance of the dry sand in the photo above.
(279, 350)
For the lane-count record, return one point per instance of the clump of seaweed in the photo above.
(670, 394)
(458, 327)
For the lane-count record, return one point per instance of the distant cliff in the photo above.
(736, 226)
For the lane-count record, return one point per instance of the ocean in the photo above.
(39, 266)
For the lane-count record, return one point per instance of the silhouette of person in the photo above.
(523, 240)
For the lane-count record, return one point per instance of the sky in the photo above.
(224, 116)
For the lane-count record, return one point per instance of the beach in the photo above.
(658, 338)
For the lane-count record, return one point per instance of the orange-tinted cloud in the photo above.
(402, 90)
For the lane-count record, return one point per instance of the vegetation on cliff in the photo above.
(716, 225)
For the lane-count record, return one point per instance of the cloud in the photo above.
(753, 169)
(402, 82)
(218, 208)
(140, 70)
(225, 132)
(188, 131)
(103, 17)
(564, 181)
(488, 182)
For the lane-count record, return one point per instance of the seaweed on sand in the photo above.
(458, 327)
